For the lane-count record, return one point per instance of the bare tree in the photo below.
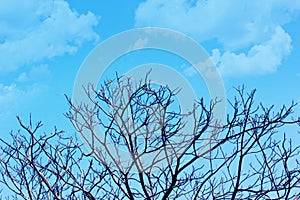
(49, 166)
(139, 144)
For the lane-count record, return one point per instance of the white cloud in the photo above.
(34, 30)
(236, 25)
(260, 59)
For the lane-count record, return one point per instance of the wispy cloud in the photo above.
(15, 98)
(34, 30)
(37, 73)
(250, 33)
(10, 96)
(190, 71)
(140, 43)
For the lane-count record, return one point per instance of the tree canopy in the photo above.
(133, 141)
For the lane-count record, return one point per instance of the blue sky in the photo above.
(43, 43)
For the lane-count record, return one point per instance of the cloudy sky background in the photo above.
(43, 43)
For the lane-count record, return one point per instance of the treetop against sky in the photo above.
(49, 48)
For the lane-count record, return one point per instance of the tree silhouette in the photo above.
(133, 141)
